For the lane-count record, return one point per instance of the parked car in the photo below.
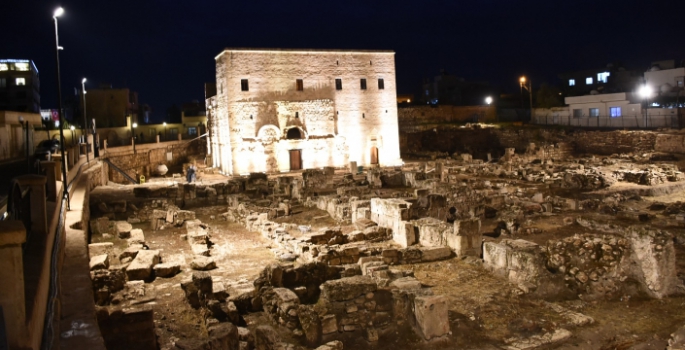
(46, 147)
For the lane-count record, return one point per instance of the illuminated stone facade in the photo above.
(282, 110)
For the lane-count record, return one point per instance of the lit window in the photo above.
(243, 85)
(615, 112)
(381, 84)
(300, 85)
(3, 66)
(338, 84)
(20, 81)
(588, 81)
(192, 131)
(603, 77)
(362, 83)
(571, 82)
(594, 112)
(22, 66)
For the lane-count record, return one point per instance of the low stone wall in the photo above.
(125, 329)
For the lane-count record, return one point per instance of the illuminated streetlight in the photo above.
(488, 100)
(645, 92)
(58, 12)
(72, 134)
(164, 131)
(529, 87)
(85, 120)
(133, 136)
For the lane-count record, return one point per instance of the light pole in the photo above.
(133, 136)
(645, 93)
(85, 121)
(488, 101)
(65, 192)
(72, 134)
(164, 131)
(25, 125)
(529, 87)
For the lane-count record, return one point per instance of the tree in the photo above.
(549, 96)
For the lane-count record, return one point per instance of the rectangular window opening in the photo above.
(338, 84)
(615, 112)
(381, 84)
(3, 83)
(244, 85)
(594, 112)
(588, 81)
(603, 77)
(192, 131)
(571, 82)
(577, 113)
(20, 81)
(362, 82)
(300, 85)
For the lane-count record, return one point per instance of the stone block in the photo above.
(431, 316)
(329, 324)
(223, 336)
(141, 267)
(266, 338)
(406, 283)
(347, 288)
(99, 262)
(202, 263)
(171, 266)
(122, 229)
(95, 249)
(466, 238)
(331, 345)
(136, 237)
(130, 252)
(405, 235)
(435, 253)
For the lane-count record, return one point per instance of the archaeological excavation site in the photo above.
(486, 237)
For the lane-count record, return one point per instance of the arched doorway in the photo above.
(294, 134)
(374, 155)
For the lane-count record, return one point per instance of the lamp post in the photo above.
(85, 121)
(164, 131)
(133, 136)
(25, 126)
(528, 87)
(58, 12)
(488, 101)
(72, 134)
(645, 93)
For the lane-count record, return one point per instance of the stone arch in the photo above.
(295, 133)
(269, 133)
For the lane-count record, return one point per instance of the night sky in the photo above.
(165, 50)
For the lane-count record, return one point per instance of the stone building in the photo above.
(281, 110)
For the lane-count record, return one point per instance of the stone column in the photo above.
(353, 167)
(12, 299)
(51, 172)
(179, 136)
(39, 216)
(57, 158)
(157, 138)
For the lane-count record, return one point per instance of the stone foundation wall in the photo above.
(128, 329)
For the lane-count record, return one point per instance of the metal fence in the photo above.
(632, 121)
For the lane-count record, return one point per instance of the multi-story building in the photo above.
(666, 78)
(19, 86)
(110, 107)
(610, 79)
(281, 109)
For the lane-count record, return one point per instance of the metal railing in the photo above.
(631, 121)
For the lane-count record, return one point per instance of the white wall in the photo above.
(657, 79)
(340, 125)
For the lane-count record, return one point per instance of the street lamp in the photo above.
(65, 192)
(72, 134)
(133, 136)
(528, 87)
(488, 100)
(164, 131)
(85, 121)
(645, 92)
(25, 125)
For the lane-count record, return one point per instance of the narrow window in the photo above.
(4, 66)
(243, 85)
(300, 85)
(571, 82)
(297, 114)
(3, 82)
(588, 81)
(594, 112)
(20, 82)
(381, 84)
(338, 84)
(362, 82)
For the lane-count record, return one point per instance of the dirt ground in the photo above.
(485, 311)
